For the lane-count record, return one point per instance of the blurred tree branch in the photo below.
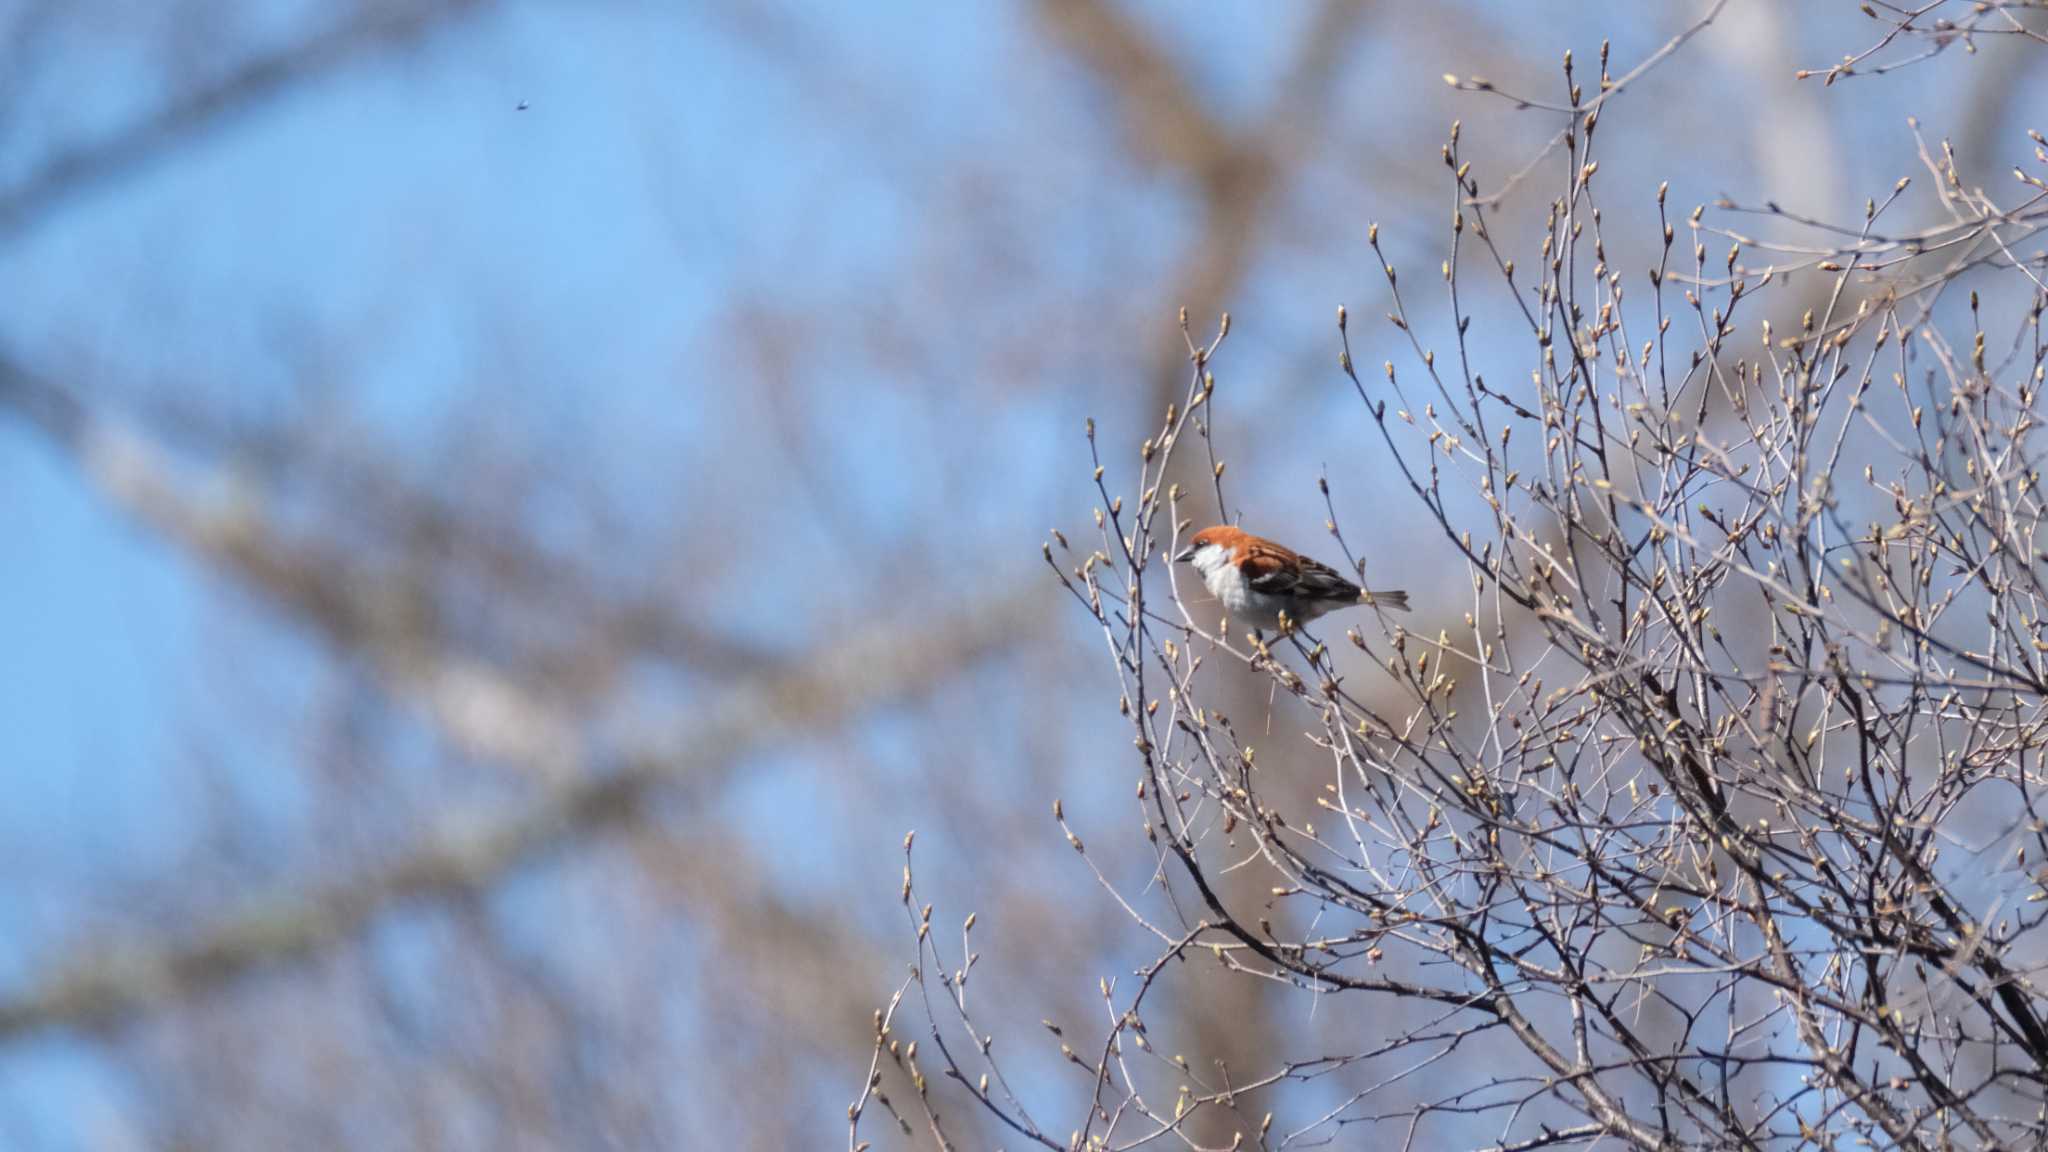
(379, 616)
(367, 28)
(1234, 173)
(835, 687)
(484, 709)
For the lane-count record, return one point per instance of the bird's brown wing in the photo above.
(1275, 571)
(1319, 581)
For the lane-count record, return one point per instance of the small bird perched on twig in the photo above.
(1259, 581)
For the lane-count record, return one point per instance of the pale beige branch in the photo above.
(483, 710)
(475, 703)
(466, 856)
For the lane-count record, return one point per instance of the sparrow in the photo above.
(1258, 581)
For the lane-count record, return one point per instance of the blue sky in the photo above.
(402, 227)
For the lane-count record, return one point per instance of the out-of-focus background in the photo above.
(513, 509)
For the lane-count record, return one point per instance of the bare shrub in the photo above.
(1710, 816)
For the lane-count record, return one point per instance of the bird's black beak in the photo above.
(1185, 555)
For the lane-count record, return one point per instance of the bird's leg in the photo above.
(1308, 650)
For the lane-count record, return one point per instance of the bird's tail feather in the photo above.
(1397, 600)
